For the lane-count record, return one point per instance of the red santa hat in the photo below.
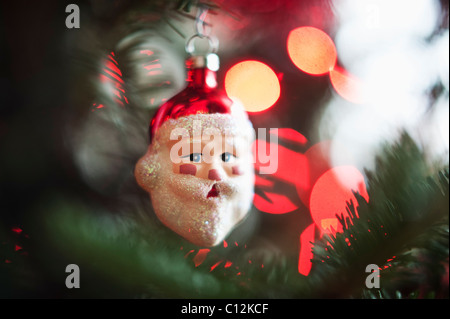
(201, 96)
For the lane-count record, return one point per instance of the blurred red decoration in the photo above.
(16, 230)
(200, 257)
(305, 254)
(292, 166)
(274, 203)
(111, 78)
(215, 265)
(323, 188)
(318, 161)
(291, 169)
(290, 135)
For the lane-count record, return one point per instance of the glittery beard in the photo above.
(182, 203)
(203, 211)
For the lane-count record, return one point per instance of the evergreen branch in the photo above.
(405, 205)
(124, 257)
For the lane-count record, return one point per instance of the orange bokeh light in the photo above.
(311, 50)
(346, 85)
(254, 84)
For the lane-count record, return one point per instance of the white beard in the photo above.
(180, 202)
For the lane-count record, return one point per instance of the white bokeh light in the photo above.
(388, 46)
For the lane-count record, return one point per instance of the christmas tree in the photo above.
(357, 206)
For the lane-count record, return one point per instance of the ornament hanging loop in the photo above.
(203, 31)
(212, 42)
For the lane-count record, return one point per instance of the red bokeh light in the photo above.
(290, 135)
(306, 254)
(291, 165)
(254, 84)
(311, 50)
(318, 161)
(330, 194)
(274, 204)
(325, 190)
(292, 170)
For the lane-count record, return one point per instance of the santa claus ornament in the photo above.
(198, 168)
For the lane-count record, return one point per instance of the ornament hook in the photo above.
(203, 31)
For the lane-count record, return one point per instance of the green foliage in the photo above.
(403, 229)
(130, 256)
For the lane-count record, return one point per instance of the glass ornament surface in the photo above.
(199, 167)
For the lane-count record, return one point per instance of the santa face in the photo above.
(201, 185)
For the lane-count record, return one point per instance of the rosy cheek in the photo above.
(190, 169)
(236, 170)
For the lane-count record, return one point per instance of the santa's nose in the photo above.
(214, 175)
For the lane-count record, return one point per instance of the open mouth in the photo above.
(213, 192)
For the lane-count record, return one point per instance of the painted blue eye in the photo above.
(226, 157)
(195, 157)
